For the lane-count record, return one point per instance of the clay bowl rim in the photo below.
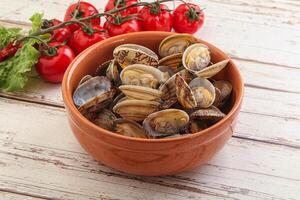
(68, 100)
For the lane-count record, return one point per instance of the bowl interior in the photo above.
(91, 58)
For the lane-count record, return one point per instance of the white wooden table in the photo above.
(40, 158)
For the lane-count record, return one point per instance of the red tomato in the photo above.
(188, 18)
(52, 68)
(61, 34)
(81, 40)
(156, 18)
(117, 27)
(111, 4)
(85, 9)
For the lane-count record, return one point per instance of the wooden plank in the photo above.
(15, 196)
(279, 82)
(48, 161)
(254, 26)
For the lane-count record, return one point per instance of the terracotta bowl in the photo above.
(150, 157)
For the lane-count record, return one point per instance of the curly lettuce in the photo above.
(13, 71)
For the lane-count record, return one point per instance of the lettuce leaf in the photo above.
(8, 34)
(13, 71)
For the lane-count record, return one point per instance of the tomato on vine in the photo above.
(83, 38)
(156, 17)
(85, 9)
(58, 35)
(118, 25)
(188, 18)
(111, 4)
(52, 65)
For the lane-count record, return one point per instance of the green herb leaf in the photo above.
(8, 35)
(36, 21)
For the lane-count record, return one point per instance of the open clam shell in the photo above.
(90, 89)
(84, 79)
(112, 72)
(212, 70)
(223, 91)
(184, 93)
(203, 91)
(175, 44)
(140, 92)
(142, 75)
(168, 88)
(196, 57)
(128, 54)
(129, 128)
(173, 61)
(136, 110)
(105, 119)
(165, 123)
(211, 113)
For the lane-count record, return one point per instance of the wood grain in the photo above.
(63, 170)
(16, 196)
(246, 30)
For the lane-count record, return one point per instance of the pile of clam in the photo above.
(139, 95)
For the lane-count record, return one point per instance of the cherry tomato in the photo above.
(61, 34)
(85, 9)
(118, 26)
(188, 18)
(111, 4)
(81, 39)
(156, 18)
(52, 68)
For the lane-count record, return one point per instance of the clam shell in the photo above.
(129, 128)
(139, 92)
(212, 70)
(105, 119)
(196, 57)
(128, 54)
(184, 93)
(203, 91)
(173, 61)
(211, 113)
(90, 89)
(84, 79)
(100, 71)
(136, 110)
(142, 75)
(112, 72)
(175, 44)
(166, 122)
(168, 88)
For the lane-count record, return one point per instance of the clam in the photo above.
(112, 72)
(224, 89)
(105, 119)
(196, 57)
(142, 75)
(129, 128)
(168, 88)
(165, 123)
(212, 70)
(140, 92)
(100, 71)
(198, 93)
(211, 113)
(91, 89)
(204, 118)
(128, 54)
(175, 44)
(173, 61)
(84, 79)
(167, 71)
(136, 110)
